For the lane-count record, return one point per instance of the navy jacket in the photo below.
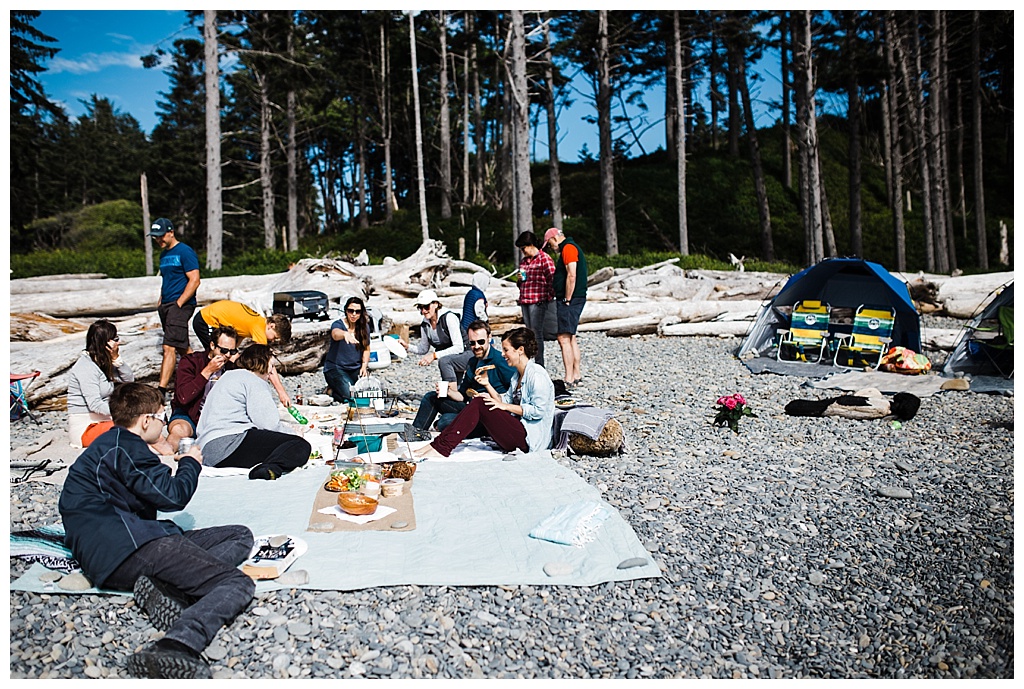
(111, 497)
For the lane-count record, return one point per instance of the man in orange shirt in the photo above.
(570, 283)
(248, 323)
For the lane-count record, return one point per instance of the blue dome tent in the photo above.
(842, 283)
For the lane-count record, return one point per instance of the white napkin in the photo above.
(379, 513)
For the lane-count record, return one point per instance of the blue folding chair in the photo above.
(20, 383)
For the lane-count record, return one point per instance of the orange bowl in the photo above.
(357, 503)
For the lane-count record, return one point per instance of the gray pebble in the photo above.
(296, 577)
(894, 492)
(216, 652)
(632, 562)
(75, 581)
(557, 569)
(50, 576)
(399, 525)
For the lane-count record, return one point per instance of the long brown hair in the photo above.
(100, 333)
(362, 325)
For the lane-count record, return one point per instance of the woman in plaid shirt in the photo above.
(536, 293)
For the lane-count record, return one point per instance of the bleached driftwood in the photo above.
(963, 296)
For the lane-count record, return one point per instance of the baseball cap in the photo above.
(161, 227)
(553, 232)
(426, 297)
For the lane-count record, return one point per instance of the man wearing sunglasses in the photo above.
(499, 375)
(197, 372)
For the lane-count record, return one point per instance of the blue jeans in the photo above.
(431, 405)
(341, 381)
(202, 565)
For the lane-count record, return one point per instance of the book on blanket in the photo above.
(272, 555)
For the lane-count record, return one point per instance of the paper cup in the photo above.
(442, 388)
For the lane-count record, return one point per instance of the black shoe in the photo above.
(168, 659)
(264, 472)
(161, 605)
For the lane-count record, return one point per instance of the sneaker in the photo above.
(262, 471)
(168, 659)
(160, 603)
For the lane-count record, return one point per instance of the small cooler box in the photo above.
(309, 304)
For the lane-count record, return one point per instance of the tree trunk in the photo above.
(887, 86)
(853, 120)
(916, 127)
(385, 92)
(680, 137)
(360, 176)
(446, 134)
(713, 94)
(809, 140)
(933, 104)
(420, 181)
(787, 150)
(214, 202)
(554, 173)
(763, 212)
(671, 99)
(732, 84)
(943, 127)
(292, 156)
(826, 216)
(465, 131)
(478, 118)
(979, 189)
(604, 123)
(520, 101)
(896, 155)
(266, 180)
(146, 240)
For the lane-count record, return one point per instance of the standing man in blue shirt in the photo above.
(179, 269)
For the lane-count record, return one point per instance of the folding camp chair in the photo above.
(872, 333)
(992, 340)
(807, 335)
(20, 383)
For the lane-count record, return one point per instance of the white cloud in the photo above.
(89, 63)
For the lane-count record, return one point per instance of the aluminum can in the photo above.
(185, 444)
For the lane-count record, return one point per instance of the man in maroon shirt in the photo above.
(197, 372)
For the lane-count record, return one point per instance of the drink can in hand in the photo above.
(185, 444)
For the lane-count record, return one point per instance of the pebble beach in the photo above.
(797, 548)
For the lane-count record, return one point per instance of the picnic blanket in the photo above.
(473, 521)
(766, 364)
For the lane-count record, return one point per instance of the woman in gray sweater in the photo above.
(92, 379)
(240, 425)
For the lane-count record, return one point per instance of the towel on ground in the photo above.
(44, 545)
(575, 524)
(584, 420)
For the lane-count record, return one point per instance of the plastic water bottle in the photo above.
(297, 415)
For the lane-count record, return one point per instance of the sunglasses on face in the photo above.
(228, 352)
(478, 343)
(115, 338)
(355, 311)
(421, 307)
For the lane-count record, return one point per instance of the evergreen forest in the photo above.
(287, 133)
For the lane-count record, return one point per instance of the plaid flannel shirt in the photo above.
(537, 287)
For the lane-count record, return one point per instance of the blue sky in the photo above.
(100, 51)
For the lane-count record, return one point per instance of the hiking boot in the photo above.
(262, 471)
(161, 605)
(168, 659)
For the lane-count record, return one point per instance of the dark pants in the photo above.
(201, 565)
(202, 330)
(340, 382)
(174, 320)
(534, 317)
(453, 366)
(504, 427)
(280, 452)
(431, 405)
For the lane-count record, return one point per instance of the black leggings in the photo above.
(280, 452)
(203, 330)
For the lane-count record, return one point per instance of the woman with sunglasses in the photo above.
(240, 425)
(348, 357)
(91, 380)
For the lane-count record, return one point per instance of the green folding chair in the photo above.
(807, 336)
